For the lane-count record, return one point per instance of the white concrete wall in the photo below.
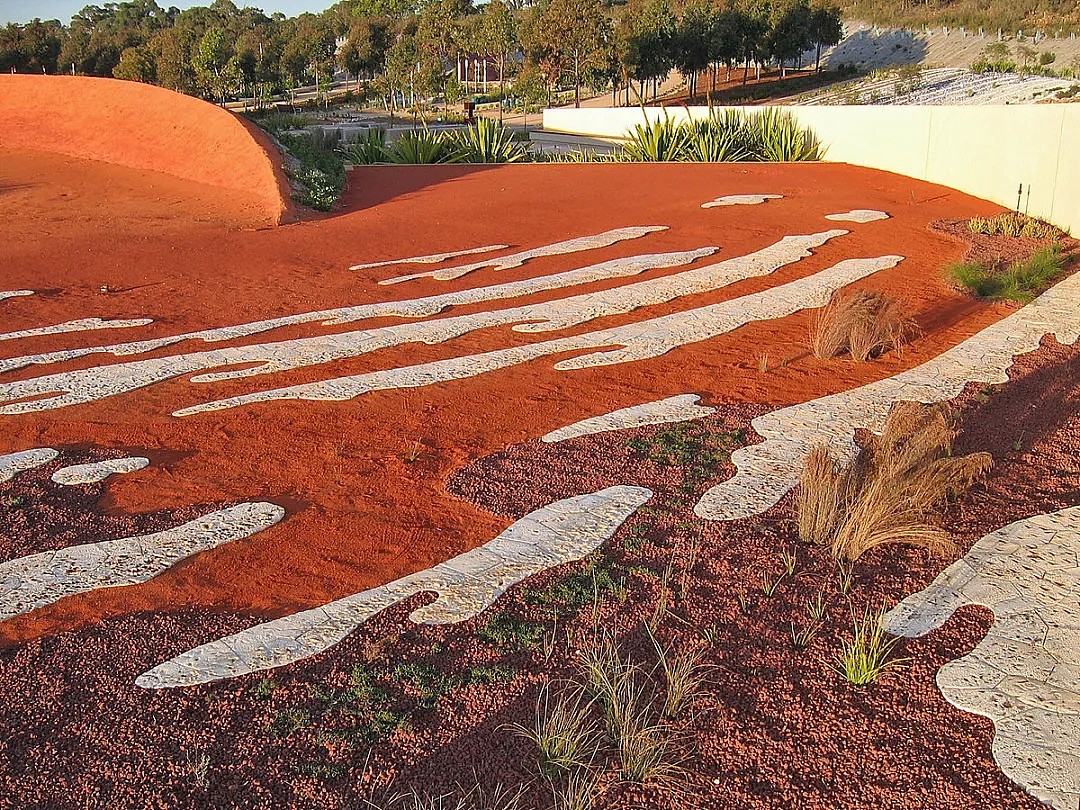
(984, 151)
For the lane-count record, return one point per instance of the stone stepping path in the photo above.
(681, 408)
(768, 470)
(1025, 674)
(561, 532)
(27, 583)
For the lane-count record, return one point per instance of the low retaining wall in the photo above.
(144, 127)
(988, 152)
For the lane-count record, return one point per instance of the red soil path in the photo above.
(145, 127)
(360, 514)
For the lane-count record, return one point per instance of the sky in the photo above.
(21, 11)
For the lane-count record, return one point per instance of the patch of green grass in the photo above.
(577, 589)
(322, 770)
(14, 501)
(430, 683)
(690, 446)
(507, 631)
(264, 688)
(289, 721)
(1020, 282)
(487, 674)
(868, 655)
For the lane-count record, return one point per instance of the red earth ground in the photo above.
(97, 239)
(341, 467)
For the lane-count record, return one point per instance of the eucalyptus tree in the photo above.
(693, 36)
(790, 34)
(826, 29)
(498, 33)
(573, 33)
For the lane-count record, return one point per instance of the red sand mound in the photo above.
(145, 127)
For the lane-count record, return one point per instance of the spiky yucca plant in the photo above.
(779, 138)
(422, 146)
(659, 141)
(368, 148)
(488, 141)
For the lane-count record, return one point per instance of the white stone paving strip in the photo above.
(14, 463)
(1025, 674)
(600, 240)
(14, 293)
(433, 258)
(84, 385)
(409, 308)
(81, 325)
(98, 471)
(98, 382)
(466, 585)
(768, 470)
(620, 344)
(858, 215)
(741, 199)
(27, 583)
(681, 408)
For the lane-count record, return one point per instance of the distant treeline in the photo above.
(406, 50)
(1050, 16)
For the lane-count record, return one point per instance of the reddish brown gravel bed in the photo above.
(776, 728)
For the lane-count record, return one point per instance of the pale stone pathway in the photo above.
(431, 258)
(600, 240)
(640, 340)
(14, 463)
(1025, 674)
(98, 471)
(466, 585)
(408, 308)
(768, 470)
(27, 583)
(81, 325)
(14, 293)
(681, 408)
(741, 199)
(862, 215)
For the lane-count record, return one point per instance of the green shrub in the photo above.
(660, 141)
(488, 141)
(1020, 282)
(422, 146)
(728, 135)
(321, 175)
(368, 148)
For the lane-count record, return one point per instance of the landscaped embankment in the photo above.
(147, 128)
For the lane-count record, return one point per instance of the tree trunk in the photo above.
(502, 88)
(817, 63)
(746, 71)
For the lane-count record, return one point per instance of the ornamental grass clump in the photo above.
(422, 146)
(1020, 282)
(863, 325)
(868, 654)
(893, 489)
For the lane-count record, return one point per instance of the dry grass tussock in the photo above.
(892, 491)
(862, 324)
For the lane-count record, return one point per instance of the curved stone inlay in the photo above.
(1025, 674)
(681, 408)
(599, 240)
(858, 215)
(408, 308)
(432, 258)
(766, 471)
(621, 344)
(27, 583)
(14, 293)
(81, 325)
(14, 463)
(741, 199)
(466, 585)
(98, 382)
(98, 471)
